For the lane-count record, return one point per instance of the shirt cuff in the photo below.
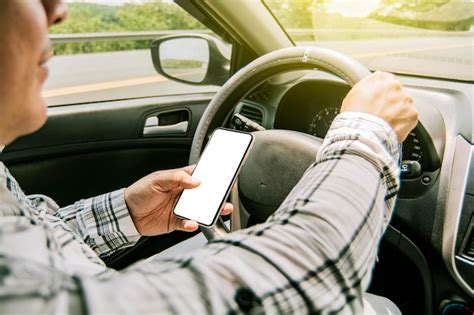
(119, 206)
(106, 224)
(371, 130)
(368, 137)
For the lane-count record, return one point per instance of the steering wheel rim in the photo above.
(259, 70)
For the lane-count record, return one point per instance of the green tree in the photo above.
(291, 13)
(92, 18)
(155, 15)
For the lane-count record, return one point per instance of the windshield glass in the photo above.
(425, 37)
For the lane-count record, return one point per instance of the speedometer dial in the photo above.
(321, 122)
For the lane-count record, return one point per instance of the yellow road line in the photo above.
(109, 85)
(412, 50)
(102, 86)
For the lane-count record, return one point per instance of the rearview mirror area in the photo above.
(192, 59)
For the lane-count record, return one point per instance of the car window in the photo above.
(432, 38)
(102, 51)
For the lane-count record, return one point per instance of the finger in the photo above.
(176, 178)
(228, 208)
(186, 181)
(189, 169)
(188, 225)
(189, 182)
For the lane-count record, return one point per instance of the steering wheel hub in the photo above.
(275, 164)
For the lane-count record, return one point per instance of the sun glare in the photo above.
(353, 8)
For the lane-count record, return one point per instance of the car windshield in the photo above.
(432, 38)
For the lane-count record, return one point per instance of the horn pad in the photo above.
(275, 164)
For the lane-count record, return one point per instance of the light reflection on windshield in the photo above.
(352, 8)
(428, 37)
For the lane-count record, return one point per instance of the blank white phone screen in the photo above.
(216, 170)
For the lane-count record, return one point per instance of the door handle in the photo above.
(178, 128)
(174, 122)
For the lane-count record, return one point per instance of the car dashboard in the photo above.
(308, 102)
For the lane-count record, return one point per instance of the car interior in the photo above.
(426, 258)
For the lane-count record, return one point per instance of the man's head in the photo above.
(24, 51)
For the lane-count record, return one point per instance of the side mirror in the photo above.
(193, 59)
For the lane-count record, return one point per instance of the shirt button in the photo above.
(245, 298)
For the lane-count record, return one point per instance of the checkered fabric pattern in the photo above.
(314, 255)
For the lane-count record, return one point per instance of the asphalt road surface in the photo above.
(129, 74)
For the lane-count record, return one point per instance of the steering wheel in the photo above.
(278, 158)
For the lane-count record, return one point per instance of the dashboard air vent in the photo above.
(252, 113)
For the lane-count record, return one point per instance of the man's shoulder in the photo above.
(13, 201)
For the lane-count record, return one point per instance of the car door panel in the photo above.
(71, 177)
(88, 149)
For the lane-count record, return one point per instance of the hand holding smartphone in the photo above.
(217, 170)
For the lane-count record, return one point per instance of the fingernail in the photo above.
(194, 180)
(189, 225)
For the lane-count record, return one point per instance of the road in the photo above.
(129, 74)
(105, 76)
(439, 57)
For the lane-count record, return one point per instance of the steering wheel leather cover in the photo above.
(261, 69)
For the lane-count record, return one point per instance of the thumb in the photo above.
(175, 179)
(189, 182)
(187, 225)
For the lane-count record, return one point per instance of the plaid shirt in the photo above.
(313, 255)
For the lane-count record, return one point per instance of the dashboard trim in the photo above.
(454, 204)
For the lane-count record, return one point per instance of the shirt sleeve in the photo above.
(103, 222)
(372, 138)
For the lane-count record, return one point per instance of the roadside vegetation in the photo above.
(98, 18)
(393, 18)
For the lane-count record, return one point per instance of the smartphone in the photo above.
(217, 170)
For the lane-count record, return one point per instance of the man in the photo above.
(315, 254)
